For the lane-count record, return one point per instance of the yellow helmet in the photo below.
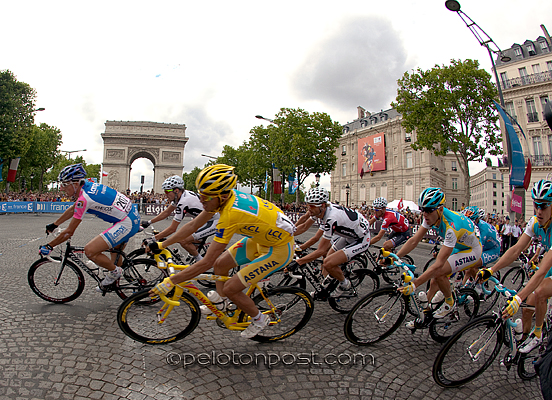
(216, 179)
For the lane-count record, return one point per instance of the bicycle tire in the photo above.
(467, 308)
(137, 318)
(363, 282)
(43, 273)
(138, 274)
(514, 278)
(139, 252)
(526, 363)
(362, 327)
(453, 365)
(294, 306)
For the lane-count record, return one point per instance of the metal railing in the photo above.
(527, 80)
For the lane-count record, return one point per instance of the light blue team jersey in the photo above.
(534, 230)
(488, 236)
(456, 230)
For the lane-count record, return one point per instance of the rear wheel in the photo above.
(138, 274)
(526, 364)
(514, 278)
(363, 282)
(50, 282)
(467, 303)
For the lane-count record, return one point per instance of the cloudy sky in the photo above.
(213, 66)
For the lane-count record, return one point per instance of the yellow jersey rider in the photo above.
(267, 246)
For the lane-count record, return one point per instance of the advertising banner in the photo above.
(371, 154)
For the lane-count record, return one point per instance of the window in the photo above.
(407, 137)
(530, 49)
(549, 65)
(408, 159)
(343, 169)
(544, 100)
(453, 166)
(510, 109)
(536, 68)
(532, 115)
(494, 185)
(494, 202)
(503, 77)
(550, 143)
(537, 146)
(517, 51)
(454, 183)
(352, 147)
(352, 166)
(543, 45)
(494, 176)
(344, 150)
(454, 204)
(494, 194)
(522, 72)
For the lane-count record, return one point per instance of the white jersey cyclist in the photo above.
(189, 204)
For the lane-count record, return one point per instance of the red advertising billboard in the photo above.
(371, 154)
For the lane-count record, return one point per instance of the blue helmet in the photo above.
(542, 190)
(73, 172)
(431, 198)
(472, 212)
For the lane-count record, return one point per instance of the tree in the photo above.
(451, 109)
(190, 178)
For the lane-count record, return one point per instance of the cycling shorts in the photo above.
(464, 259)
(206, 230)
(259, 261)
(490, 256)
(399, 238)
(123, 230)
(351, 247)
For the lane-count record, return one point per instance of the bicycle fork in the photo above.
(475, 357)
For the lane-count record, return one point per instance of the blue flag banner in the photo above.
(292, 184)
(515, 151)
(266, 182)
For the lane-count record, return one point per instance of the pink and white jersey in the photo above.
(104, 202)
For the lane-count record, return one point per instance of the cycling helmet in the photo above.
(472, 212)
(73, 172)
(317, 195)
(173, 182)
(431, 198)
(216, 179)
(542, 190)
(380, 202)
(482, 213)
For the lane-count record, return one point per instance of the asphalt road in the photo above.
(76, 350)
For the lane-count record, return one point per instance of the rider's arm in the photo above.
(312, 240)
(66, 233)
(303, 227)
(412, 242)
(441, 259)
(213, 252)
(303, 219)
(188, 228)
(168, 230)
(164, 214)
(322, 249)
(377, 238)
(512, 253)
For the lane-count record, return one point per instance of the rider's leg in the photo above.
(543, 292)
(222, 266)
(189, 246)
(94, 251)
(527, 315)
(333, 261)
(388, 245)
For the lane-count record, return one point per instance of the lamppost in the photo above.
(483, 39)
(282, 199)
(347, 189)
(71, 151)
(208, 156)
(317, 178)
(32, 177)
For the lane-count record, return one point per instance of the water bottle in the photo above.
(518, 329)
(439, 296)
(422, 297)
(216, 299)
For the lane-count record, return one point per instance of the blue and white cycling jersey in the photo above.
(533, 230)
(489, 236)
(104, 202)
(457, 231)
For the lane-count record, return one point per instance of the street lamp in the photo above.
(483, 39)
(39, 109)
(32, 177)
(317, 178)
(347, 189)
(208, 156)
(71, 151)
(266, 119)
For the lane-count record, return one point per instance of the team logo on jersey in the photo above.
(273, 235)
(249, 229)
(260, 270)
(464, 260)
(80, 204)
(219, 233)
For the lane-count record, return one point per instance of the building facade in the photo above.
(526, 82)
(375, 159)
(487, 191)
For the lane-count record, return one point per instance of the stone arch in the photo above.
(126, 141)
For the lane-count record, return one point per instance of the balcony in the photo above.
(527, 80)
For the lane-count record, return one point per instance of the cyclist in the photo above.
(105, 203)
(460, 250)
(539, 225)
(267, 246)
(349, 229)
(490, 240)
(394, 223)
(183, 202)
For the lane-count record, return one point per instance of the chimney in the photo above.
(362, 111)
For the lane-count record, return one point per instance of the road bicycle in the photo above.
(59, 279)
(472, 349)
(517, 275)
(173, 317)
(389, 274)
(380, 313)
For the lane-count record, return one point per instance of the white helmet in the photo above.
(317, 196)
(380, 202)
(173, 182)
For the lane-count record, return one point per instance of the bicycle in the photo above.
(472, 349)
(518, 274)
(380, 313)
(289, 309)
(59, 279)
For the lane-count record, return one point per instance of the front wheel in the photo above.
(514, 278)
(526, 364)
(289, 310)
(375, 317)
(138, 274)
(139, 319)
(363, 282)
(469, 352)
(49, 281)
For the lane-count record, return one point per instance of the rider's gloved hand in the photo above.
(156, 247)
(408, 289)
(387, 261)
(45, 250)
(50, 228)
(483, 275)
(513, 306)
(145, 224)
(163, 287)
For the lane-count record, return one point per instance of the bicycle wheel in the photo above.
(138, 319)
(469, 352)
(467, 307)
(526, 362)
(42, 277)
(138, 274)
(293, 308)
(514, 278)
(139, 252)
(375, 317)
(285, 277)
(363, 282)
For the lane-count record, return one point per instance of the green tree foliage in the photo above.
(451, 109)
(190, 178)
(16, 115)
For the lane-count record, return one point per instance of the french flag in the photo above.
(13, 169)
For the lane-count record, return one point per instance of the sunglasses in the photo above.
(541, 205)
(427, 210)
(206, 198)
(168, 190)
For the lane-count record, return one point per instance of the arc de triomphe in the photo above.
(125, 141)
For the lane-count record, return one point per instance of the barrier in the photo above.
(37, 206)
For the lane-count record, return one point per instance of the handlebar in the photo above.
(408, 274)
